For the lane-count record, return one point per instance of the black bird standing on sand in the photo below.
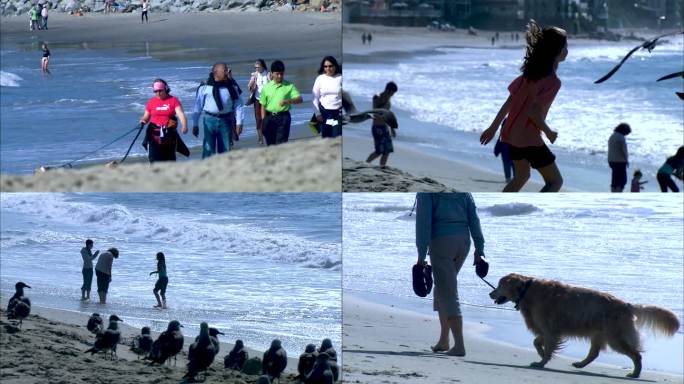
(19, 306)
(322, 371)
(648, 45)
(109, 339)
(95, 323)
(307, 361)
(168, 344)
(275, 360)
(327, 348)
(213, 335)
(237, 357)
(201, 353)
(142, 344)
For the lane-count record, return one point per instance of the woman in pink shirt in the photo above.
(531, 96)
(162, 113)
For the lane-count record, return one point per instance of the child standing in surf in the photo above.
(531, 96)
(162, 281)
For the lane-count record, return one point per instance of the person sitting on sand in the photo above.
(327, 97)
(220, 102)
(382, 133)
(276, 99)
(636, 182)
(531, 96)
(103, 271)
(674, 165)
(259, 78)
(162, 281)
(45, 60)
(162, 112)
(445, 222)
(618, 157)
(87, 271)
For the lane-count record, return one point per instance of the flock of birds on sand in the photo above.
(316, 365)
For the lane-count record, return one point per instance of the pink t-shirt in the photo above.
(161, 110)
(519, 130)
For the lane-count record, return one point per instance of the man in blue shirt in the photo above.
(219, 100)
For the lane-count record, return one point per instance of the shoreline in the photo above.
(381, 339)
(52, 342)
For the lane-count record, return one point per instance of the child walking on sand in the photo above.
(531, 96)
(162, 281)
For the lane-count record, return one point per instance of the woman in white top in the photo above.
(259, 78)
(327, 97)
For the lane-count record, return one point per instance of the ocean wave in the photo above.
(391, 208)
(121, 224)
(511, 209)
(9, 79)
(83, 101)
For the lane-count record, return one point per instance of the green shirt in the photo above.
(272, 94)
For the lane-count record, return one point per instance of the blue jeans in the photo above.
(217, 131)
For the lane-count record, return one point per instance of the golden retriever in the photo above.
(554, 311)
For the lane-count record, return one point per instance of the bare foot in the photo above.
(456, 352)
(439, 347)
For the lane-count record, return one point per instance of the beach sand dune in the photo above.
(304, 165)
(390, 345)
(51, 351)
(362, 177)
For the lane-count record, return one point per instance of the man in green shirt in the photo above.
(275, 99)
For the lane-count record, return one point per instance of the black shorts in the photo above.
(539, 157)
(161, 284)
(103, 280)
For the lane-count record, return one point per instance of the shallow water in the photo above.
(93, 96)
(631, 248)
(256, 266)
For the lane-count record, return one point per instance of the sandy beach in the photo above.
(49, 349)
(415, 171)
(229, 36)
(305, 165)
(383, 341)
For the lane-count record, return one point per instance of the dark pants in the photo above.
(144, 17)
(331, 130)
(45, 23)
(277, 128)
(665, 181)
(87, 278)
(165, 150)
(505, 151)
(103, 280)
(619, 176)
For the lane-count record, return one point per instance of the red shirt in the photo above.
(161, 110)
(519, 130)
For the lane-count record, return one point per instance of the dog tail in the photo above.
(657, 319)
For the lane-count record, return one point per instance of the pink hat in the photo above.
(159, 86)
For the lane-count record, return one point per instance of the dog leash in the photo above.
(133, 142)
(493, 287)
(69, 164)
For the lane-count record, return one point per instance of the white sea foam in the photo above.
(8, 79)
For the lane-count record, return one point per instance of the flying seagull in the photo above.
(649, 45)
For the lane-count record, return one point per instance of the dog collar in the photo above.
(522, 294)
